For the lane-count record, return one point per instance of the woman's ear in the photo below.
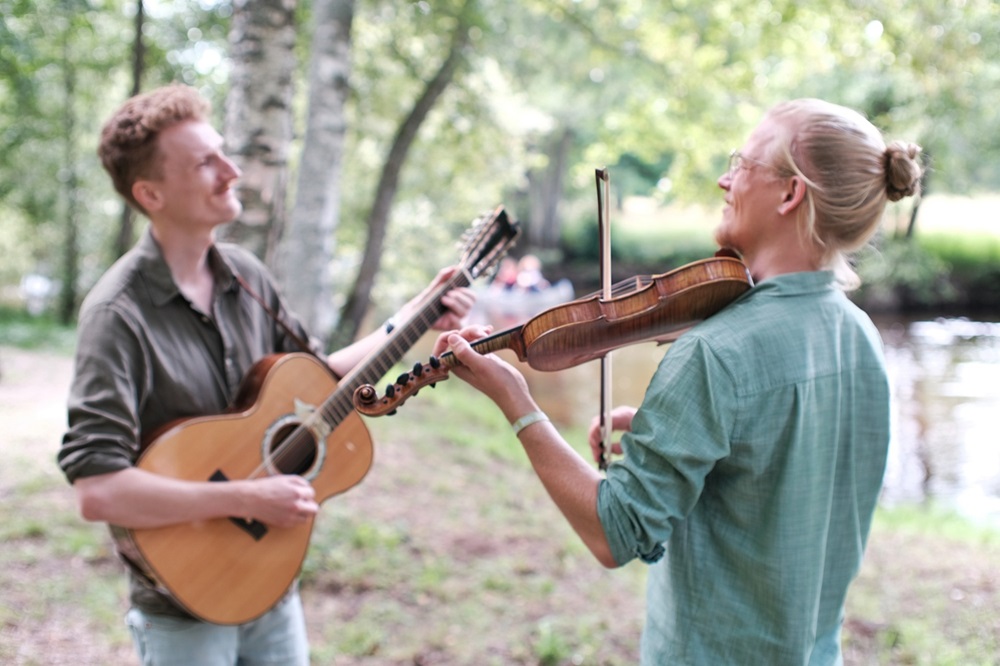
(792, 195)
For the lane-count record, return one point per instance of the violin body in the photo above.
(657, 309)
(642, 309)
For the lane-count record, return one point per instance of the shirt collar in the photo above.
(797, 284)
(156, 274)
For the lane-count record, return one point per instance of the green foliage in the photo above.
(19, 329)
(964, 252)
(899, 268)
(64, 64)
(659, 92)
(649, 247)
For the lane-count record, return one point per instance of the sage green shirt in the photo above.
(756, 458)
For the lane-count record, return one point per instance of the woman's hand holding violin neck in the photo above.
(496, 378)
(621, 420)
(470, 333)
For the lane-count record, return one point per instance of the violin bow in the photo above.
(603, 190)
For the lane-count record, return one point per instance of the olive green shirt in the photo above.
(757, 458)
(147, 356)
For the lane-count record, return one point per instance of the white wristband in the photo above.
(527, 420)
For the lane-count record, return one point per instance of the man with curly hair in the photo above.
(170, 331)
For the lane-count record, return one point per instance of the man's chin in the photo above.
(236, 208)
(721, 238)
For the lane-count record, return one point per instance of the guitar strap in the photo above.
(278, 320)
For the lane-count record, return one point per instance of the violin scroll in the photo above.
(366, 399)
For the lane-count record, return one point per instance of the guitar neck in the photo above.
(404, 335)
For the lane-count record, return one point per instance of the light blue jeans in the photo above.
(277, 638)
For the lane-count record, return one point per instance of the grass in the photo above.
(927, 593)
(18, 329)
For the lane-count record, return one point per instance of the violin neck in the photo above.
(512, 339)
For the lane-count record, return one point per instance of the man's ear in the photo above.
(148, 196)
(792, 195)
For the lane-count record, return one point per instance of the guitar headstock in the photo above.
(489, 239)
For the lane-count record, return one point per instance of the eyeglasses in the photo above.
(738, 161)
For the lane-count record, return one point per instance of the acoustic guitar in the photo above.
(290, 417)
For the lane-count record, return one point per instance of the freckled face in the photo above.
(195, 186)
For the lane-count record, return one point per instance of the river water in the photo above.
(945, 376)
(946, 391)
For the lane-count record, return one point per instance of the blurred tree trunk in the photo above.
(258, 126)
(71, 244)
(356, 306)
(306, 251)
(545, 189)
(911, 228)
(126, 226)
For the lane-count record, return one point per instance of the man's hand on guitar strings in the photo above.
(283, 501)
(458, 301)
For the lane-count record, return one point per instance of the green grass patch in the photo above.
(927, 591)
(19, 329)
(938, 521)
(962, 250)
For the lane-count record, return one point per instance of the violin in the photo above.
(657, 308)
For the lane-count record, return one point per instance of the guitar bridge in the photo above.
(254, 528)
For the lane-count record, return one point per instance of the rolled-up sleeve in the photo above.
(678, 434)
(103, 406)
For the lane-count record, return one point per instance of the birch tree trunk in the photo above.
(126, 224)
(308, 246)
(258, 125)
(358, 300)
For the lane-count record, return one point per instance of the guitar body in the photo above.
(290, 417)
(230, 571)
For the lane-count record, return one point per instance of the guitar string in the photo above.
(340, 404)
(433, 307)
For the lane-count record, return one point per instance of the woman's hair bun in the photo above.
(903, 170)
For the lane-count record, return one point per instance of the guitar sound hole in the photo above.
(293, 450)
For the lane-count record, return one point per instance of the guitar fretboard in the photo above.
(406, 334)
